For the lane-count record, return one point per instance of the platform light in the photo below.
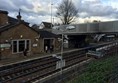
(62, 37)
(62, 45)
(21, 36)
(70, 27)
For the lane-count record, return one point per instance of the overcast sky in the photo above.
(36, 11)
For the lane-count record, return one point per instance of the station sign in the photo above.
(5, 45)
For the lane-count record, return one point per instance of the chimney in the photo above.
(19, 16)
(3, 17)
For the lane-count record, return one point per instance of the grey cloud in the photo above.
(87, 8)
(26, 6)
(7, 5)
(14, 5)
(44, 13)
(20, 3)
(96, 8)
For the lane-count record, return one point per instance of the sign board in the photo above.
(58, 57)
(34, 45)
(60, 64)
(5, 45)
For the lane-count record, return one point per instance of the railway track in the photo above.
(35, 69)
(30, 71)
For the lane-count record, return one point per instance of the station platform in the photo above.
(14, 60)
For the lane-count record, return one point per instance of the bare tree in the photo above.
(67, 12)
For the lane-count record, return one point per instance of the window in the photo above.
(27, 44)
(14, 46)
(19, 45)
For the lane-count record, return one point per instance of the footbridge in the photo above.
(78, 34)
(88, 28)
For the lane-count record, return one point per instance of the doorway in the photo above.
(48, 43)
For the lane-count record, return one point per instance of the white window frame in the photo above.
(18, 45)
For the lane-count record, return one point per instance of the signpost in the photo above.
(60, 64)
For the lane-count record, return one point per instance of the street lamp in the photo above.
(51, 13)
(62, 37)
(0, 48)
(62, 45)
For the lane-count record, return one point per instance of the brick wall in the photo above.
(15, 34)
(3, 19)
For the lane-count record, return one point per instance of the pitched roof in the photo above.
(4, 12)
(6, 27)
(9, 26)
(45, 34)
(47, 25)
(12, 20)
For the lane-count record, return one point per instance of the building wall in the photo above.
(57, 44)
(41, 45)
(15, 33)
(3, 19)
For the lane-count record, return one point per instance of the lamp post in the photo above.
(51, 13)
(62, 61)
(0, 49)
(62, 49)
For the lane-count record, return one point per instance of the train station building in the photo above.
(16, 35)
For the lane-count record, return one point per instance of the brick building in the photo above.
(16, 35)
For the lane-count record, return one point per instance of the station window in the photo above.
(27, 44)
(14, 46)
(19, 45)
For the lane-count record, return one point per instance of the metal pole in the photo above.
(51, 14)
(0, 48)
(53, 21)
(62, 52)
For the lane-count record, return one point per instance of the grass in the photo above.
(98, 71)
